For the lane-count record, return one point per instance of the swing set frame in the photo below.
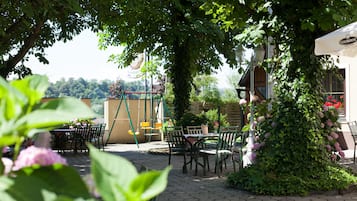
(144, 125)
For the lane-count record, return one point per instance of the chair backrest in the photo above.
(229, 128)
(227, 139)
(175, 136)
(102, 129)
(353, 128)
(95, 130)
(240, 136)
(84, 133)
(194, 129)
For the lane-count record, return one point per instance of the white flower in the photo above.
(242, 102)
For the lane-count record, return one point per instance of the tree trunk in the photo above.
(181, 79)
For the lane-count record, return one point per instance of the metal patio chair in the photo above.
(177, 144)
(353, 128)
(222, 152)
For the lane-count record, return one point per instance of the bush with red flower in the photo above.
(332, 102)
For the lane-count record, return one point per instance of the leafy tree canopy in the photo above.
(178, 31)
(293, 159)
(27, 27)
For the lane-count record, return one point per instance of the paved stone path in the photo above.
(188, 186)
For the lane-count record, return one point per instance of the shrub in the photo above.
(190, 119)
(255, 180)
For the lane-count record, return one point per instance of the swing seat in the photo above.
(145, 125)
(158, 125)
(132, 133)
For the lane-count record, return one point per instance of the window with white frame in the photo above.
(334, 90)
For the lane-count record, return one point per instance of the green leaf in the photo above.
(150, 184)
(8, 140)
(112, 174)
(34, 87)
(245, 128)
(69, 104)
(57, 111)
(12, 101)
(47, 116)
(43, 184)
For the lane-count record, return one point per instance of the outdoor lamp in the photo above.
(258, 57)
(259, 54)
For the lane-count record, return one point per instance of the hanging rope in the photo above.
(138, 118)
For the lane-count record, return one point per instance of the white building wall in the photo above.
(350, 66)
(352, 91)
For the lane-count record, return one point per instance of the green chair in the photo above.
(82, 136)
(222, 152)
(353, 128)
(194, 130)
(239, 149)
(97, 135)
(177, 144)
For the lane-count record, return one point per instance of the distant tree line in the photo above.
(97, 91)
(205, 91)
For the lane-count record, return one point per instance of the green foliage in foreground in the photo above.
(119, 179)
(268, 183)
(23, 115)
(116, 180)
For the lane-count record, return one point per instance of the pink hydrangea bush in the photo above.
(37, 155)
(329, 127)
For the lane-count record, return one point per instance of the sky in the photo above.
(81, 57)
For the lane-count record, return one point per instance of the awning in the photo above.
(341, 42)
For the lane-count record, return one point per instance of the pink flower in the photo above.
(329, 123)
(342, 154)
(337, 146)
(8, 164)
(334, 135)
(328, 147)
(322, 125)
(256, 146)
(37, 155)
(333, 157)
(252, 156)
(242, 102)
(321, 114)
(325, 108)
(5, 149)
(260, 119)
(255, 98)
(329, 138)
(254, 124)
(267, 135)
